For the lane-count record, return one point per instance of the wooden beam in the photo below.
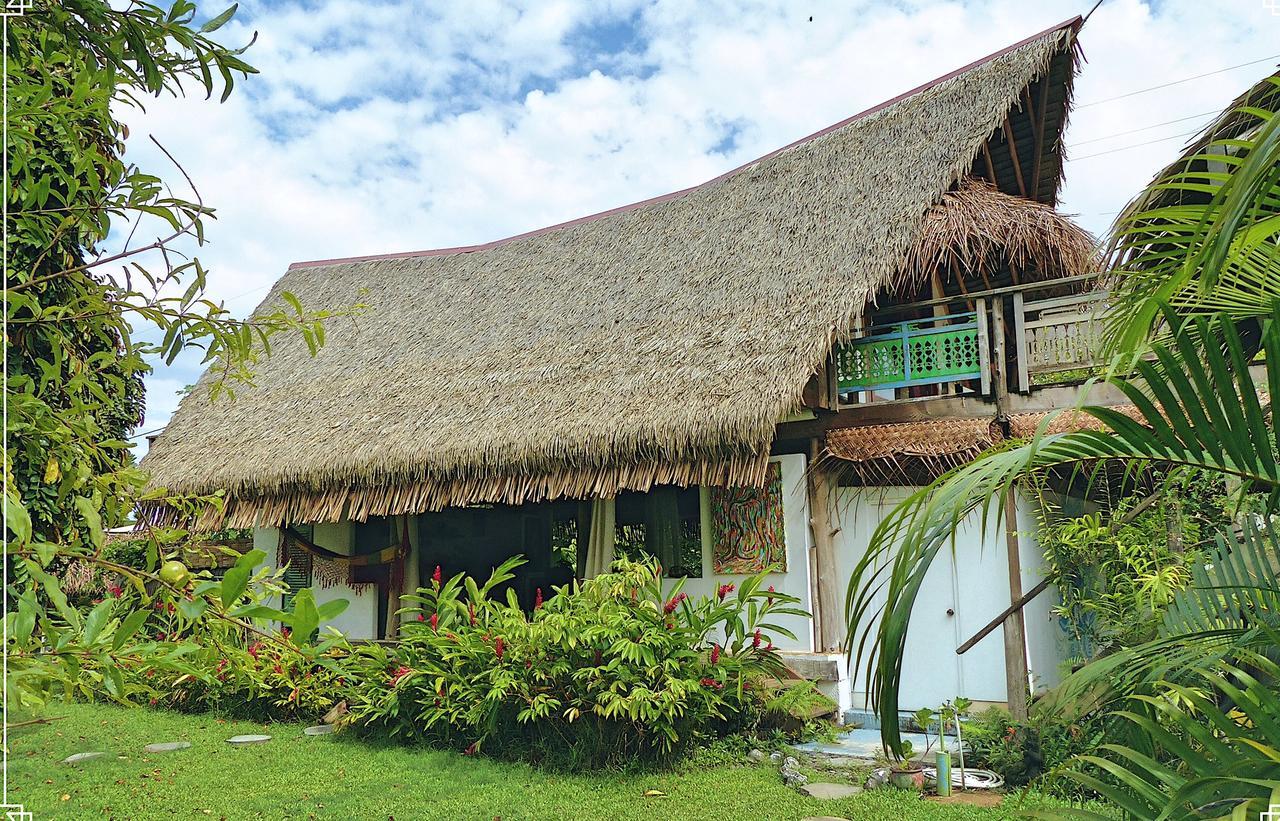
(1004, 614)
(991, 166)
(1040, 147)
(1016, 676)
(828, 628)
(1013, 155)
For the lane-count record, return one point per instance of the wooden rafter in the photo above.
(1040, 146)
(991, 167)
(1013, 155)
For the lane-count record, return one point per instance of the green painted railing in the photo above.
(921, 352)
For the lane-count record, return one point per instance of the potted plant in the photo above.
(906, 774)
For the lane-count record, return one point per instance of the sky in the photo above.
(376, 127)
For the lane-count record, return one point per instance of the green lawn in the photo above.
(294, 776)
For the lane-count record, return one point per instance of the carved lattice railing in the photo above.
(1056, 335)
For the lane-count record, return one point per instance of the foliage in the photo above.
(604, 673)
(1114, 579)
(1025, 752)
(73, 384)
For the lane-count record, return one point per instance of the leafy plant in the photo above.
(603, 673)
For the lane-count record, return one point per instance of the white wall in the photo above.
(966, 587)
(795, 581)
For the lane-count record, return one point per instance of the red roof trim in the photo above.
(1074, 22)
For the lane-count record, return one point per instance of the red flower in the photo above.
(169, 607)
(286, 631)
(710, 682)
(471, 750)
(755, 641)
(471, 609)
(771, 591)
(498, 646)
(400, 673)
(159, 605)
(254, 649)
(537, 600)
(435, 577)
(115, 590)
(222, 665)
(279, 670)
(715, 654)
(160, 636)
(435, 621)
(670, 606)
(725, 589)
(421, 617)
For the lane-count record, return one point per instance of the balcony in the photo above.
(981, 345)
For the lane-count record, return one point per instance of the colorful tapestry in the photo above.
(747, 529)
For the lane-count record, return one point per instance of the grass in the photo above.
(295, 776)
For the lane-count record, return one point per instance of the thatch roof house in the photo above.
(657, 343)
(679, 375)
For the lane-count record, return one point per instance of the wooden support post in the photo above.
(827, 615)
(1015, 632)
(999, 357)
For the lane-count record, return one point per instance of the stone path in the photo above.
(320, 729)
(828, 789)
(78, 757)
(240, 740)
(166, 746)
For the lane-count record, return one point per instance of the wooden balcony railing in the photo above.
(1040, 341)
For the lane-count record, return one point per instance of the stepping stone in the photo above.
(166, 746)
(823, 818)
(827, 790)
(320, 729)
(241, 740)
(78, 757)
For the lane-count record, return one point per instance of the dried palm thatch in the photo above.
(976, 228)
(1025, 425)
(908, 453)
(658, 343)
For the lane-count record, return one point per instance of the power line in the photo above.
(1176, 82)
(1135, 145)
(1143, 128)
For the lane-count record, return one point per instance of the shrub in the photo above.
(1030, 751)
(607, 672)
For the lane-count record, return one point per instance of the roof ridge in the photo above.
(1073, 22)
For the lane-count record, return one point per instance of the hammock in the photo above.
(331, 569)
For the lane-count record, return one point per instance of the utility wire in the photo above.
(1175, 82)
(1135, 145)
(1143, 128)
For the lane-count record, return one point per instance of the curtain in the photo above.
(662, 524)
(600, 544)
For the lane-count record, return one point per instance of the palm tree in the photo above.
(1195, 263)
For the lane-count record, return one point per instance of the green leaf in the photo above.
(128, 628)
(89, 509)
(97, 619)
(16, 518)
(233, 584)
(305, 617)
(331, 609)
(219, 21)
(193, 608)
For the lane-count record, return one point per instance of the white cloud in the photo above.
(376, 127)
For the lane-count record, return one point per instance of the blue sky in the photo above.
(391, 126)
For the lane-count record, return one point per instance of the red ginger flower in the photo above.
(498, 647)
(471, 610)
(725, 589)
(421, 617)
(116, 591)
(670, 606)
(755, 641)
(537, 600)
(471, 750)
(400, 673)
(771, 591)
(435, 620)
(715, 654)
(436, 576)
(710, 682)
(254, 649)
(279, 670)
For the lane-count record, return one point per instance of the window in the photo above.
(297, 574)
(666, 522)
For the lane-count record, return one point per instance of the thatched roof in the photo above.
(976, 227)
(909, 452)
(659, 342)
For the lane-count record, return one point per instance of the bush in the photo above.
(1030, 751)
(605, 673)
